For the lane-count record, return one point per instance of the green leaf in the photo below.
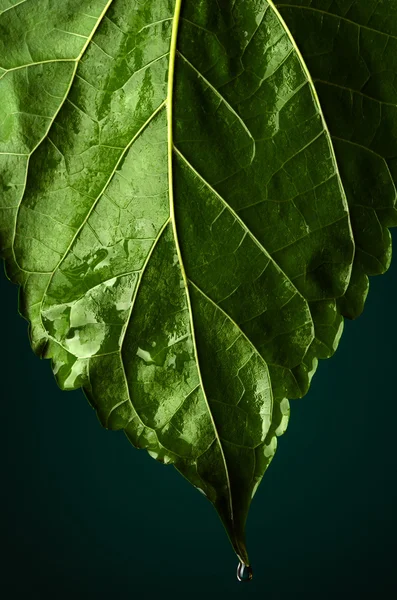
(188, 227)
(350, 49)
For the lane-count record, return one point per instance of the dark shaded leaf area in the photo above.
(192, 196)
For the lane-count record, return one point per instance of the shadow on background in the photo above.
(84, 515)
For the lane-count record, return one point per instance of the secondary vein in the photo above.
(73, 75)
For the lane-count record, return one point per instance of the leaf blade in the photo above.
(348, 92)
(183, 239)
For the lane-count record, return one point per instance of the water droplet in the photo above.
(244, 572)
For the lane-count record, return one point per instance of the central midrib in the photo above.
(169, 106)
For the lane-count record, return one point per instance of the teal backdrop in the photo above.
(86, 516)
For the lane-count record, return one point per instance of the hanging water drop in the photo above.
(244, 572)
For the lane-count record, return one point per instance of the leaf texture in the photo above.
(359, 100)
(187, 225)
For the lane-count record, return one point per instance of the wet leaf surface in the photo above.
(188, 224)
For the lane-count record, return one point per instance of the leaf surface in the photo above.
(350, 49)
(177, 215)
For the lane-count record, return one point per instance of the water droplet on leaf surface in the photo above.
(244, 572)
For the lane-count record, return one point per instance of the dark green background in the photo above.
(84, 515)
